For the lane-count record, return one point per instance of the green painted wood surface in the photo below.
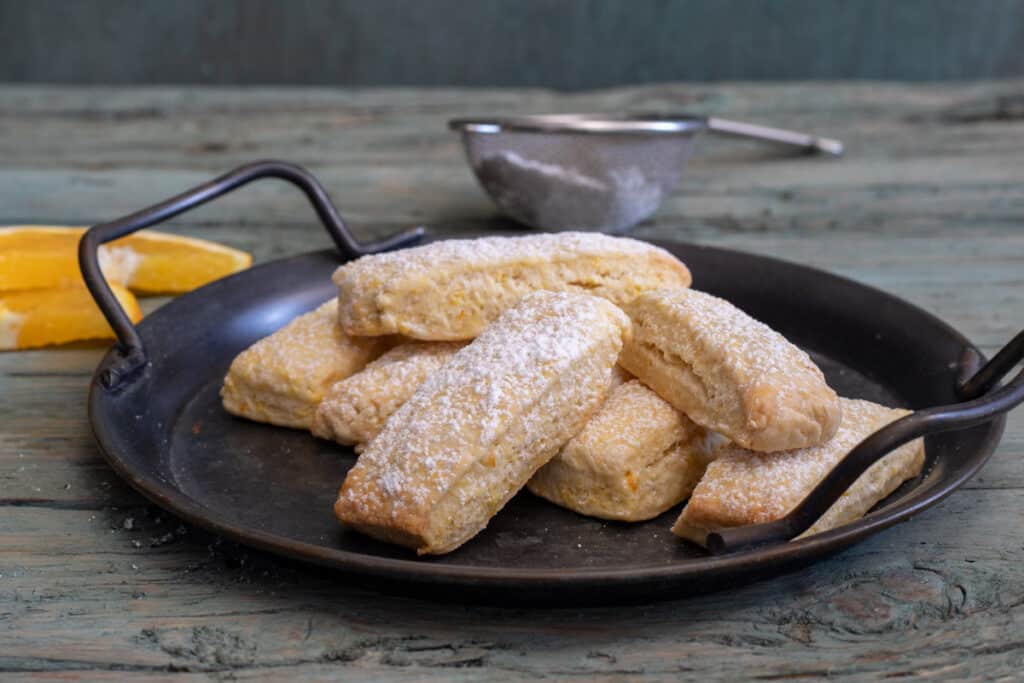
(95, 583)
(566, 45)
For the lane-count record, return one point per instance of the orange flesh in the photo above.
(36, 257)
(55, 316)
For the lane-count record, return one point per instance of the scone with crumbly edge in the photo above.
(356, 408)
(477, 429)
(742, 487)
(728, 372)
(451, 290)
(636, 458)
(281, 378)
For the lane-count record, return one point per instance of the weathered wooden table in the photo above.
(928, 204)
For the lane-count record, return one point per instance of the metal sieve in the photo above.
(595, 172)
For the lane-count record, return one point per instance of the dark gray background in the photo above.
(554, 43)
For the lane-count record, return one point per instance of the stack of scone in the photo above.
(579, 366)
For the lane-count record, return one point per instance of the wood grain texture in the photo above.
(95, 583)
(567, 45)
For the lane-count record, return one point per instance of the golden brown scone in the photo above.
(743, 487)
(728, 372)
(281, 378)
(451, 290)
(477, 429)
(637, 457)
(356, 408)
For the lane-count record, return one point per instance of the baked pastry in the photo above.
(451, 290)
(477, 429)
(356, 408)
(743, 487)
(619, 377)
(637, 457)
(281, 378)
(728, 372)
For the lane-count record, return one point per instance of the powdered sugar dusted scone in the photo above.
(743, 487)
(637, 457)
(451, 290)
(477, 429)
(281, 378)
(728, 372)
(356, 408)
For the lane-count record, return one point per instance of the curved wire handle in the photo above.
(130, 346)
(980, 407)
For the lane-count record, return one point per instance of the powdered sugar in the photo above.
(459, 411)
(729, 372)
(451, 290)
(744, 487)
(356, 408)
(452, 253)
(752, 351)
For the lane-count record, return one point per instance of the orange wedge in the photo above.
(148, 262)
(33, 257)
(41, 317)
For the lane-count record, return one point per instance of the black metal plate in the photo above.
(273, 488)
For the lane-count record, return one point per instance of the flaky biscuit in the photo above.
(619, 376)
(451, 290)
(281, 378)
(728, 372)
(742, 487)
(356, 408)
(477, 429)
(401, 394)
(635, 458)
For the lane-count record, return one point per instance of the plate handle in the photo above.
(984, 400)
(129, 344)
